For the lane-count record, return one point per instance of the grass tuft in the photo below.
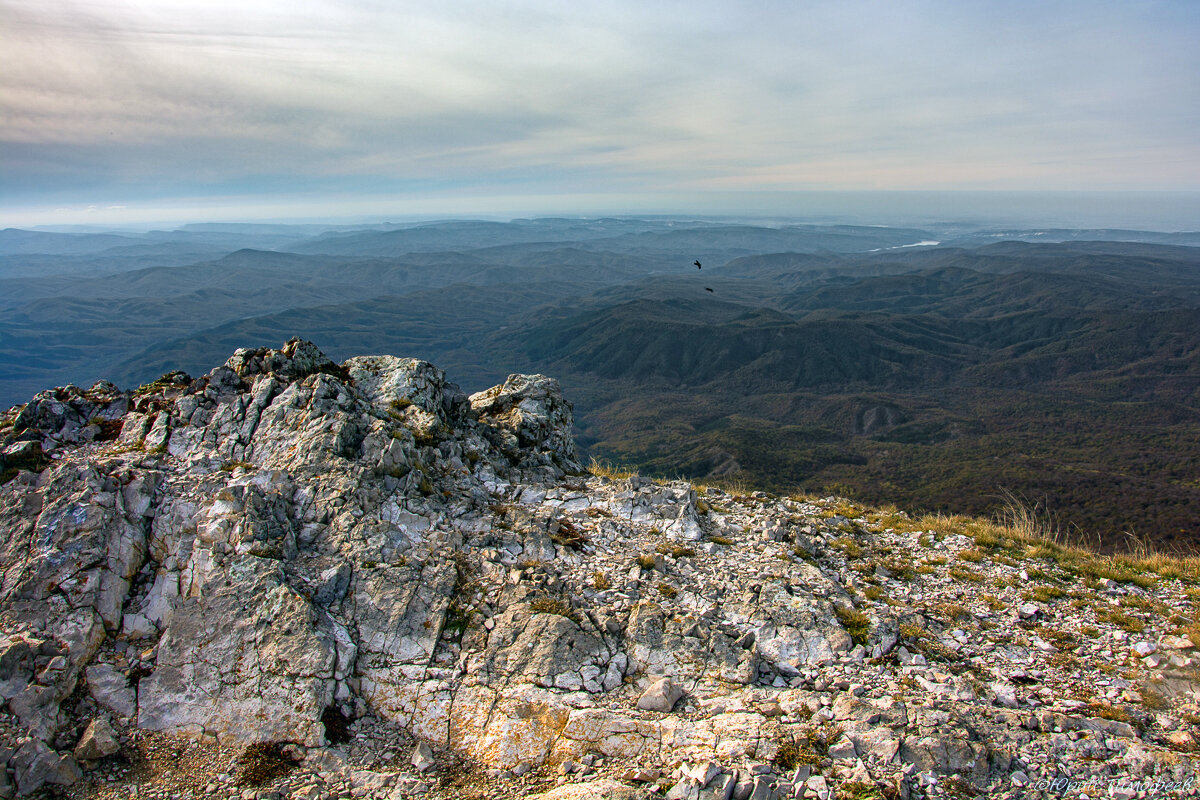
(855, 622)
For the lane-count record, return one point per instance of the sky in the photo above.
(126, 109)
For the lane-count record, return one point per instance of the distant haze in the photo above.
(119, 111)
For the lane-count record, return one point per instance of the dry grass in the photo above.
(843, 508)
(1123, 621)
(1044, 594)
(1027, 531)
(604, 469)
(569, 535)
(552, 605)
(646, 561)
(1107, 711)
(855, 622)
(848, 546)
(964, 575)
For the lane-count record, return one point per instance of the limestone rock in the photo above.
(529, 415)
(36, 765)
(99, 740)
(110, 688)
(422, 758)
(661, 695)
(606, 789)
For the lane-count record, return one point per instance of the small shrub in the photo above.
(458, 618)
(601, 582)
(859, 790)
(790, 753)
(667, 590)
(568, 535)
(675, 550)
(725, 541)
(873, 592)
(974, 556)
(645, 561)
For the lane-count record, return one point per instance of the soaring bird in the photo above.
(697, 263)
(707, 289)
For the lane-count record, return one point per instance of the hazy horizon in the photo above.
(118, 112)
(1150, 211)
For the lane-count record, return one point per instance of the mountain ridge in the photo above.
(955, 337)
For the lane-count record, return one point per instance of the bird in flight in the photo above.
(707, 289)
(697, 263)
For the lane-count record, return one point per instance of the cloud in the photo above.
(228, 97)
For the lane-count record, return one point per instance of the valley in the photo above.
(1060, 367)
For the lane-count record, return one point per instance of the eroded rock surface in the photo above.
(289, 550)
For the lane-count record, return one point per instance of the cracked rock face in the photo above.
(239, 556)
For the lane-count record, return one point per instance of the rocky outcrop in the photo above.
(289, 550)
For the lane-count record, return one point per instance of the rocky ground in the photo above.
(297, 579)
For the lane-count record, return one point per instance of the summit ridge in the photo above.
(292, 578)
